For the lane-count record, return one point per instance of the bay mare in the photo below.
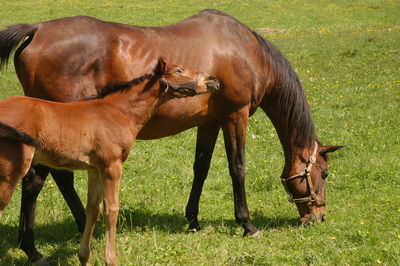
(95, 135)
(252, 72)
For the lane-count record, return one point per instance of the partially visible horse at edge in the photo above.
(95, 135)
(69, 58)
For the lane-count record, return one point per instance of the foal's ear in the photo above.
(328, 148)
(161, 66)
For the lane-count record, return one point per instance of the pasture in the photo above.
(347, 56)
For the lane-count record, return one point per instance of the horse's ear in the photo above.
(329, 148)
(162, 66)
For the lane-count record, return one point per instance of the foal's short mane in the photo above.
(119, 87)
(292, 102)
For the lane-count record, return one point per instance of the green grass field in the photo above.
(347, 54)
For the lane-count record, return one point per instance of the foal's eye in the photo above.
(180, 70)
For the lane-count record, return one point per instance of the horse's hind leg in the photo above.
(32, 184)
(65, 182)
(234, 127)
(206, 137)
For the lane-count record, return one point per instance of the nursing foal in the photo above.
(95, 135)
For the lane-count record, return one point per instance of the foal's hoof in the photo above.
(42, 262)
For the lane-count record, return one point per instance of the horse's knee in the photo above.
(32, 183)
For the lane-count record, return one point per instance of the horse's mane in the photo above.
(119, 87)
(291, 102)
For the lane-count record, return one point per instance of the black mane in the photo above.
(119, 87)
(292, 102)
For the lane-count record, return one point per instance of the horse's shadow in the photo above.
(130, 219)
(52, 234)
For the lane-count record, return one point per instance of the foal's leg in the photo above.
(111, 178)
(32, 184)
(206, 137)
(65, 182)
(94, 197)
(234, 128)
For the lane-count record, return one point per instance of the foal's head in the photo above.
(181, 82)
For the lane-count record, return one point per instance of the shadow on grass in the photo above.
(63, 238)
(60, 236)
(143, 220)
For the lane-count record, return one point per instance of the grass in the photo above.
(347, 55)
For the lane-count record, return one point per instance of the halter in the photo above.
(183, 87)
(313, 197)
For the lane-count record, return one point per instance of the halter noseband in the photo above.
(313, 197)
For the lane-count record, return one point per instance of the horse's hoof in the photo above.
(192, 230)
(42, 262)
(256, 234)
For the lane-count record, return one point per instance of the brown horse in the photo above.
(94, 135)
(69, 58)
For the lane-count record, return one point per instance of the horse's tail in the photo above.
(14, 134)
(11, 36)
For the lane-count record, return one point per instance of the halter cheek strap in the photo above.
(313, 197)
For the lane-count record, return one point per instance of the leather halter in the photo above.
(313, 197)
(187, 88)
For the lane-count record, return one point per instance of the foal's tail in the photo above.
(11, 36)
(14, 134)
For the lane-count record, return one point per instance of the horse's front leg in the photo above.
(111, 177)
(234, 127)
(32, 184)
(206, 137)
(94, 197)
(65, 182)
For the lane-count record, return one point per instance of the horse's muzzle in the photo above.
(212, 84)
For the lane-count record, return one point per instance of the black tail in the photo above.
(11, 37)
(16, 135)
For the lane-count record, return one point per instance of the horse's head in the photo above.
(181, 82)
(306, 182)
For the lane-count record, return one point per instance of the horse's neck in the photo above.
(294, 144)
(137, 104)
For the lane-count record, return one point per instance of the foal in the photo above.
(94, 135)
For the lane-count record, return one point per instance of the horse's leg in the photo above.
(65, 182)
(94, 197)
(234, 128)
(111, 178)
(32, 184)
(206, 137)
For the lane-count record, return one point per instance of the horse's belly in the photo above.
(59, 161)
(179, 115)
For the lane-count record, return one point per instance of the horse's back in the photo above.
(71, 58)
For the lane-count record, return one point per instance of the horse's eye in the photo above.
(180, 70)
(324, 174)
